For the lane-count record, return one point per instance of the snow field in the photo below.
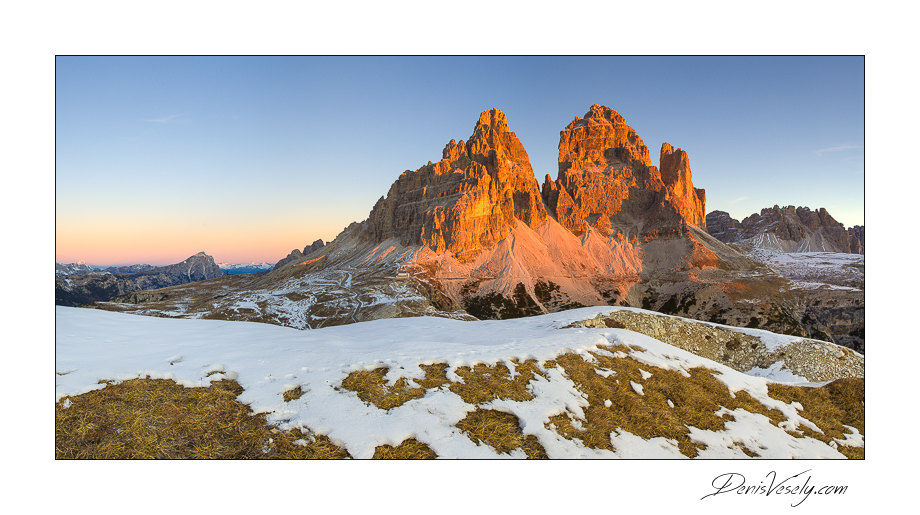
(268, 360)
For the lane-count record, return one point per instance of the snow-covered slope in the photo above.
(267, 361)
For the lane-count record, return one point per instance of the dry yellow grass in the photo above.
(830, 407)
(373, 389)
(484, 383)
(157, 418)
(410, 449)
(501, 431)
(292, 394)
(695, 398)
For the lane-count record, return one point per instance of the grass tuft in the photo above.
(501, 431)
(484, 383)
(409, 449)
(293, 394)
(373, 389)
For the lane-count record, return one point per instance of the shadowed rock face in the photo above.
(468, 200)
(606, 181)
(857, 235)
(723, 227)
(300, 255)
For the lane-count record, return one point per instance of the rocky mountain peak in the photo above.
(491, 120)
(607, 181)
(598, 115)
(469, 199)
(600, 139)
(313, 247)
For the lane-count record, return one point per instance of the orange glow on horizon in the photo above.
(115, 242)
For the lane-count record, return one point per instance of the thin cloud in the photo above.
(838, 148)
(739, 199)
(163, 119)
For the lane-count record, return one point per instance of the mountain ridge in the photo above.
(79, 289)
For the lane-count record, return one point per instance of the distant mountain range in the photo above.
(99, 285)
(788, 229)
(245, 268)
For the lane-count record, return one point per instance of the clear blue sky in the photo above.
(249, 157)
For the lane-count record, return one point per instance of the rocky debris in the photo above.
(811, 359)
(467, 201)
(76, 290)
(606, 181)
(789, 229)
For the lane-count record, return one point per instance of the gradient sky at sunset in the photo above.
(247, 158)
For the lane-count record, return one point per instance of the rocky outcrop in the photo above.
(313, 247)
(467, 201)
(789, 229)
(857, 235)
(295, 255)
(76, 290)
(723, 227)
(300, 255)
(606, 181)
(810, 359)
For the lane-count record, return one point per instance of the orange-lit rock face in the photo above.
(469, 199)
(606, 180)
(687, 201)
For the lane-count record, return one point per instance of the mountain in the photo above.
(482, 232)
(245, 268)
(788, 229)
(475, 235)
(79, 289)
(65, 269)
